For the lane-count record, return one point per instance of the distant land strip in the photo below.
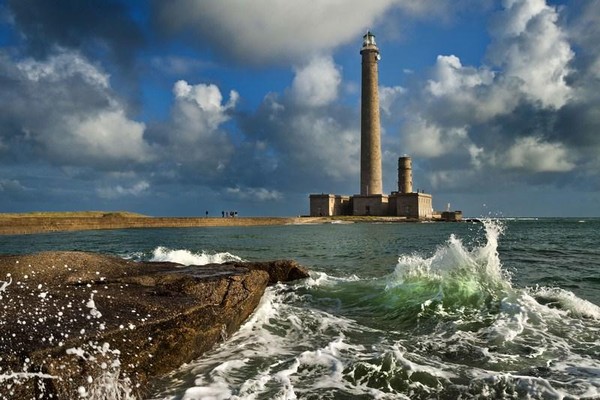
(40, 222)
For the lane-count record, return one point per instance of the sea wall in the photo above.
(80, 324)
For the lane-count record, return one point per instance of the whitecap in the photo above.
(565, 300)
(187, 257)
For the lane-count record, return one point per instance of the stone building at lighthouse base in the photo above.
(410, 205)
(402, 203)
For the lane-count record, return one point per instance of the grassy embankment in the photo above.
(39, 222)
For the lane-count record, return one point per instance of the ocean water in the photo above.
(495, 310)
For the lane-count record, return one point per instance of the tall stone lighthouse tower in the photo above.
(370, 135)
(371, 201)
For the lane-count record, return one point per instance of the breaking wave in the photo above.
(446, 326)
(187, 257)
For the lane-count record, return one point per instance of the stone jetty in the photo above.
(85, 325)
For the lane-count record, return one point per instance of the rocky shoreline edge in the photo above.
(77, 324)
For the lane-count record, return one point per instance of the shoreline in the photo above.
(32, 223)
(83, 317)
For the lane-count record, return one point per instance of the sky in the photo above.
(182, 107)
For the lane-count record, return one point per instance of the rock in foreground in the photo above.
(86, 325)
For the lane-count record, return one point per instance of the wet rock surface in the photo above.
(75, 325)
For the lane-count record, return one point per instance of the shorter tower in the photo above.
(405, 181)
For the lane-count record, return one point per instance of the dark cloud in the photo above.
(63, 111)
(301, 149)
(579, 125)
(286, 32)
(270, 31)
(192, 145)
(581, 19)
(12, 188)
(91, 26)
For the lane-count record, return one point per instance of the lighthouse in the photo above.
(370, 132)
(404, 203)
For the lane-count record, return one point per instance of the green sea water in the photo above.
(500, 309)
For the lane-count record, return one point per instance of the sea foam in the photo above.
(187, 257)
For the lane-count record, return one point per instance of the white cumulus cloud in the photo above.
(451, 78)
(69, 114)
(193, 137)
(316, 83)
(201, 105)
(388, 95)
(62, 66)
(535, 155)
(531, 46)
(109, 134)
(425, 139)
(514, 115)
(468, 93)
